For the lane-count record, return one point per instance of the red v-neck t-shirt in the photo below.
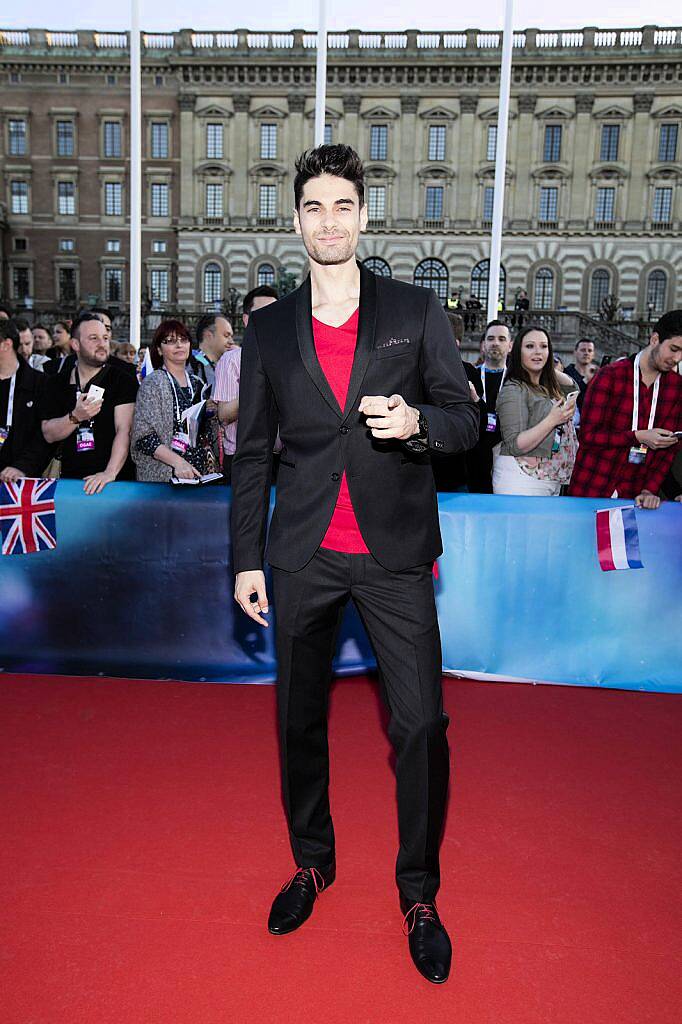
(335, 347)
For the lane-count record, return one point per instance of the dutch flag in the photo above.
(618, 539)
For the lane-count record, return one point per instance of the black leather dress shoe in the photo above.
(429, 942)
(294, 902)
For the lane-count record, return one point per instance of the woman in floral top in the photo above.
(535, 408)
(160, 443)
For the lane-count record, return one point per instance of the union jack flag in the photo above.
(27, 516)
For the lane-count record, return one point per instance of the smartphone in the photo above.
(571, 396)
(95, 393)
(677, 433)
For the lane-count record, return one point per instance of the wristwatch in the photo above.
(419, 442)
(72, 419)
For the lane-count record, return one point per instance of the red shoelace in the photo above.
(427, 912)
(298, 878)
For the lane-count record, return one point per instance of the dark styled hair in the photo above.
(256, 293)
(165, 330)
(206, 323)
(516, 370)
(84, 318)
(338, 160)
(669, 325)
(4, 308)
(9, 329)
(494, 323)
(456, 323)
(580, 341)
(22, 324)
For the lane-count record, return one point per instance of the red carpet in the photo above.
(144, 840)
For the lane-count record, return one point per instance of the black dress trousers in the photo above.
(399, 614)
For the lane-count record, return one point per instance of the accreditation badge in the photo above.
(180, 442)
(4, 434)
(637, 454)
(491, 425)
(85, 439)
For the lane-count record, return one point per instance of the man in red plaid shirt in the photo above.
(618, 457)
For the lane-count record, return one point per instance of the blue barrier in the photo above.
(140, 586)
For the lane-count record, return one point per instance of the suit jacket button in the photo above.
(343, 429)
(335, 477)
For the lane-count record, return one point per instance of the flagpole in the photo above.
(321, 73)
(135, 175)
(500, 162)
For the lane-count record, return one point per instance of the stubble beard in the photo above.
(329, 257)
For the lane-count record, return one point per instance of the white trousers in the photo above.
(509, 478)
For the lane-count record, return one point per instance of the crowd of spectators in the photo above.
(75, 403)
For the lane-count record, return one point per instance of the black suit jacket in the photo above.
(26, 448)
(404, 347)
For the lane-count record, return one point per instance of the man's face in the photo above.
(41, 339)
(92, 344)
(330, 219)
(106, 320)
(584, 353)
(25, 343)
(223, 335)
(497, 343)
(665, 355)
(258, 303)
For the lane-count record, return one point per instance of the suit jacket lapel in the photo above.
(306, 345)
(365, 343)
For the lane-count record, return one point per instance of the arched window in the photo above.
(479, 282)
(213, 283)
(543, 297)
(656, 289)
(266, 274)
(599, 289)
(432, 274)
(377, 266)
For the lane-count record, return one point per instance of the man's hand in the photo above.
(86, 409)
(97, 482)
(10, 474)
(647, 500)
(473, 393)
(656, 438)
(246, 584)
(390, 418)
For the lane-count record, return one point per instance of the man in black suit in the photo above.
(361, 378)
(23, 450)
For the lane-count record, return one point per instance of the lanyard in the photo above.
(176, 399)
(504, 374)
(635, 404)
(10, 400)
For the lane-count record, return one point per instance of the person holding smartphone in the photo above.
(535, 410)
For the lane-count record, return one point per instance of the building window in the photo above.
(214, 141)
(433, 206)
(663, 206)
(19, 191)
(160, 143)
(21, 283)
(267, 203)
(17, 137)
(599, 289)
(488, 203)
(64, 138)
(214, 200)
(605, 206)
(491, 144)
(20, 244)
(377, 266)
(656, 289)
(378, 142)
(113, 284)
(551, 152)
(159, 245)
(159, 199)
(432, 274)
(113, 245)
(112, 139)
(158, 285)
(479, 282)
(376, 204)
(213, 283)
(67, 286)
(111, 79)
(437, 142)
(610, 138)
(667, 143)
(14, 77)
(67, 245)
(328, 135)
(543, 296)
(268, 142)
(158, 81)
(549, 205)
(66, 198)
(266, 275)
(113, 199)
